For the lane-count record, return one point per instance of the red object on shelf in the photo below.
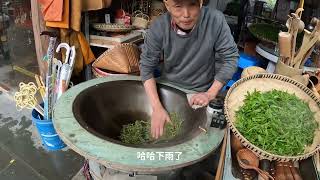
(120, 13)
(121, 17)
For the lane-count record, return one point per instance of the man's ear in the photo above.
(201, 3)
(166, 4)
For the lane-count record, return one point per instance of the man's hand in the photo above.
(201, 99)
(159, 115)
(158, 119)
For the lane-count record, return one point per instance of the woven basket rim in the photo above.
(100, 73)
(112, 27)
(262, 154)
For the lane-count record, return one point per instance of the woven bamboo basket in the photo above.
(123, 58)
(140, 20)
(134, 14)
(267, 82)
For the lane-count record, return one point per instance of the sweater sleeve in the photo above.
(226, 49)
(151, 50)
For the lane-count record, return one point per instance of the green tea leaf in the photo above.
(139, 131)
(277, 122)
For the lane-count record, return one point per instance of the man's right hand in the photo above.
(159, 115)
(158, 119)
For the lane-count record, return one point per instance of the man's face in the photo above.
(184, 14)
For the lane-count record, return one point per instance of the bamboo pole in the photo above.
(222, 156)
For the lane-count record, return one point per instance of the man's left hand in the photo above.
(201, 99)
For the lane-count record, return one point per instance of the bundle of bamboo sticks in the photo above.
(287, 40)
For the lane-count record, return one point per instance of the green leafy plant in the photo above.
(269, 32)
(277, 122)
(139, 131)
(266, 32)
(271, 3)
(233, 8)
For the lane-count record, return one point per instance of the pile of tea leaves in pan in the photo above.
(277, 122)
(139, 132)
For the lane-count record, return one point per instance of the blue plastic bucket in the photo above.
(48, 134)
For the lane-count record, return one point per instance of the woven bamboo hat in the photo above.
(123, 58)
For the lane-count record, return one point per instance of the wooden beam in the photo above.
(41, 43)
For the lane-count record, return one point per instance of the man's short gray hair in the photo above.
(192, 1)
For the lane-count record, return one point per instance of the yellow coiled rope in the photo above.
(25, 98)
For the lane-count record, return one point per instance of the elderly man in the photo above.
(191, 37)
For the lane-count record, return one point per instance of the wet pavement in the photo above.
(21, 153)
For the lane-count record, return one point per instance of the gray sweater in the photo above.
(193, 61)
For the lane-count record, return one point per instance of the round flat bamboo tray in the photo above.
(109, 27)
(267, 82)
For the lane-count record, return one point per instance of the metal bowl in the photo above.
(89, 116)
(104, 109)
